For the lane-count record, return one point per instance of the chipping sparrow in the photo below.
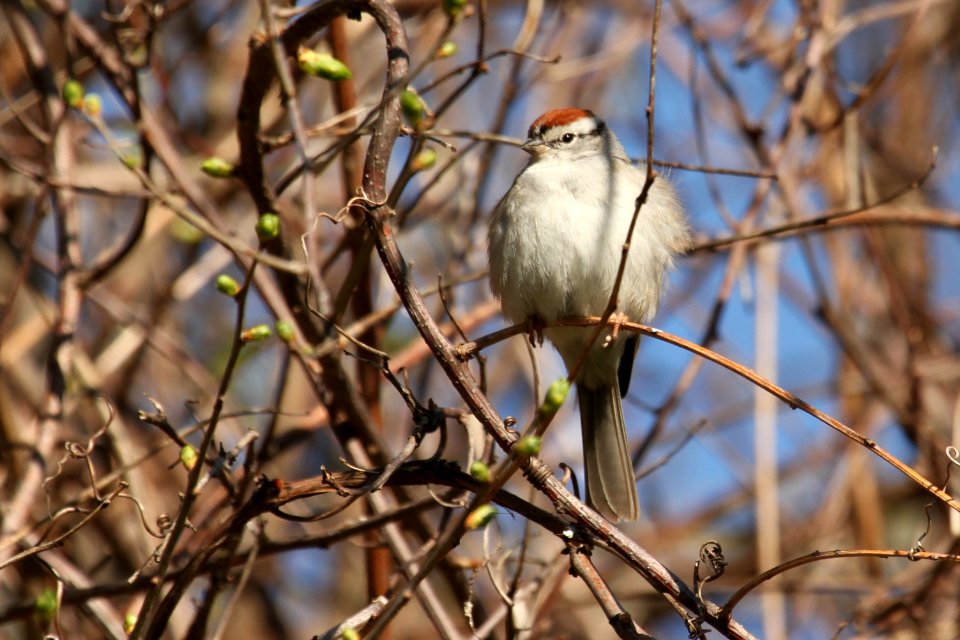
(555, 245)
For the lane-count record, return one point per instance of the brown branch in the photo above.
(269, 497)
(825, 219)
(792, 401)
(817, 556)
(60, 354)
(623, 624)
(102, 503)
(155, 612)
(537, 472)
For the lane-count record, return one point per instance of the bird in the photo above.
(554, 247)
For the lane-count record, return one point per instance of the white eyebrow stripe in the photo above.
(581, 127)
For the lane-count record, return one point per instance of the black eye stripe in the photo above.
(570, 136)
(543, 131)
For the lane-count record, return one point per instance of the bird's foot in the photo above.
(616, 322)
(535, 327)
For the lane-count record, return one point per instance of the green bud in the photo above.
(268, 226)
(447, 49)
(413, 107)
(349, 634)
(131, 161)
(424, 160)
(322, 65)
(556, 395)
(480, 471)
(129, 622)
(256, 333)
(73, 93)
(529, 445)
(227, 285)
(284, 330)
(217, 167)
(480, 517)
(185, 232)
(46, 604)
(453, 7)
(91, 105)
(188, 457)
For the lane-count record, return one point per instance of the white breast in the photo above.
(556, 240)
(535, 258)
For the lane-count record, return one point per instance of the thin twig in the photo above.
(817, 556)
(792, 401)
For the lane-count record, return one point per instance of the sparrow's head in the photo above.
(570, 133)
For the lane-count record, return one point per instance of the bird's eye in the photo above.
(568, 137)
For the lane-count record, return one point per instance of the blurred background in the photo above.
(815, 146)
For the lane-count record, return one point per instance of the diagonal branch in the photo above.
(793, 401)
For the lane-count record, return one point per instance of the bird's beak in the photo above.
(534, 147)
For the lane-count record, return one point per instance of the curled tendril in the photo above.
(953, 454)
(918, 545)
(569, 475)
(78, 451)
(711, 554)
(164, 522)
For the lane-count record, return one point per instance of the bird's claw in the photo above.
(616, 322)
(535, 327)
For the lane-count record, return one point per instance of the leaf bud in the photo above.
(256, 333)
(217, 167)
(188, 457)
(556, 395)
(268, 226)
(447, 49)
(453, 7)
(413, 107)
(73, 93)
(480, 471)
(480, 517)
(285, 330)
(322, 65)
(92, 105)
(46, 604)
(529, 445)
(424, 160)
(227, 285)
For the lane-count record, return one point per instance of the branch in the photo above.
(792, 401)
(816, 556)
(456, 369)
(826, 219)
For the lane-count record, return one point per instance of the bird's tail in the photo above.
(611, 486)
